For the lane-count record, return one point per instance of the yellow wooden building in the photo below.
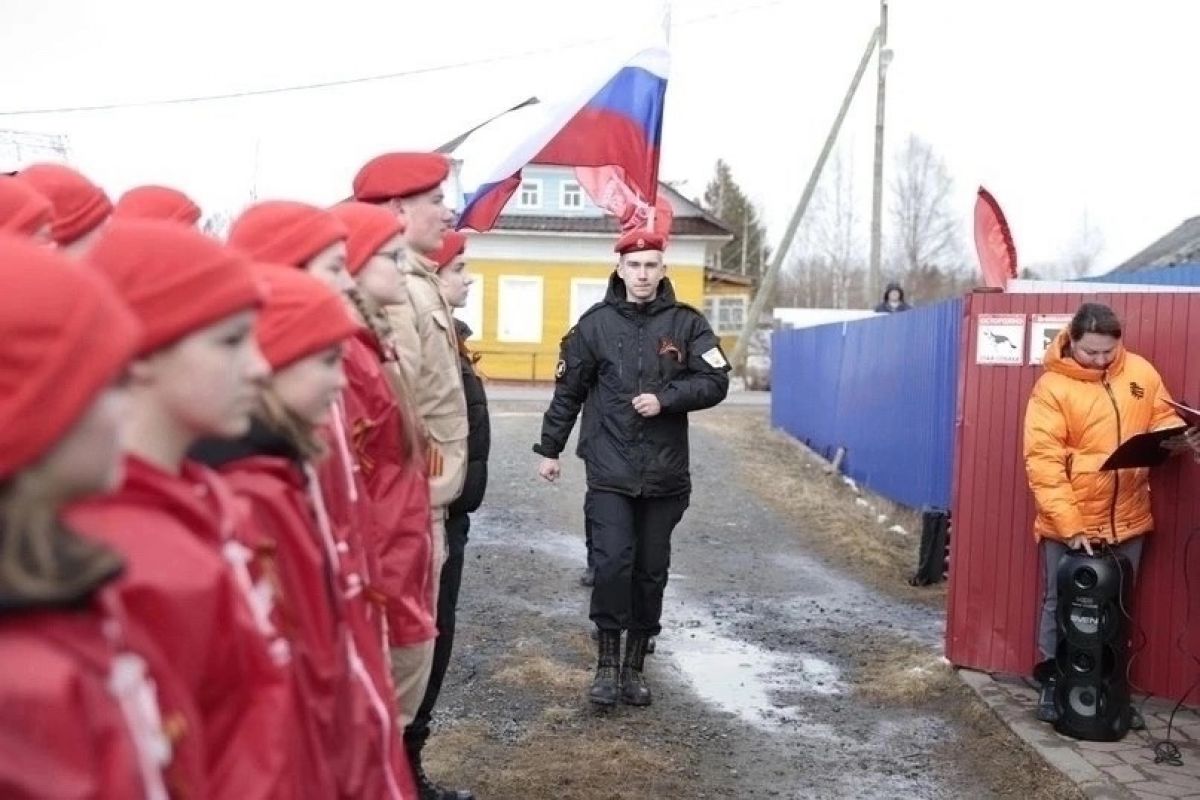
(548, 259)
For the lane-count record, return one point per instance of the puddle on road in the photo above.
(743, 679)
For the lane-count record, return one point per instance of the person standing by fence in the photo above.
(1093, 396)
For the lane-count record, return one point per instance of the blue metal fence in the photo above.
(883, 388)
(1182, 275)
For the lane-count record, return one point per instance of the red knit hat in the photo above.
(22, 210)
(370, 227)
(638, 240)
(454, 244)
(399, 175)
(64, 337)
(285, 232)
(175, 278)
(301, 315)
(79, 206)
(157, 202)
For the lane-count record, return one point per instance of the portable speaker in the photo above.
(1093, 655)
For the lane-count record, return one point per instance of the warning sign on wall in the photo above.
(1043, 329)
(1000, 339)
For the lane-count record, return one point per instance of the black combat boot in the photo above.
(634, 690)
(1047, 708)
(1045, 672)
(604, 689)
(426, 788)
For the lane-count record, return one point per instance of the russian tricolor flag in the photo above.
(616, 121)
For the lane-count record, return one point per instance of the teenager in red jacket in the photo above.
(187, 585)
(392, 451)
(345, 723)
(77, 716)
(313, 240)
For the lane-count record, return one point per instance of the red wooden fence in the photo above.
(995, 579)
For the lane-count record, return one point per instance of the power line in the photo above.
(205, 98)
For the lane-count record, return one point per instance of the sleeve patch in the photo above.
(715, 358)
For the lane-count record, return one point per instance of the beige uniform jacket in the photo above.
(427, 347)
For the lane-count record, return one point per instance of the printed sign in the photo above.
(1043, 330)
(1000, 339)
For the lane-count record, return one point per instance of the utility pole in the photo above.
(885, 57)
(767, 283)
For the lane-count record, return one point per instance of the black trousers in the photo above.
(457, 529)
(631, 548)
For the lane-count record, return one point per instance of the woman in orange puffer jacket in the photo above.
(1093, 396)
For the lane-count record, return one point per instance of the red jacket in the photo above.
(402, 545)
(63, 733)
(343, 510)
(344, 744)
(182, 594)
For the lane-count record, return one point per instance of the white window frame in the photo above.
(712, 309)
(577, 190)
(508, 313)
(576, 306)
(472, 313)
(539, 187)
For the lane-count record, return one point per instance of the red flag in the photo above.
(608, 189)
(994, 242)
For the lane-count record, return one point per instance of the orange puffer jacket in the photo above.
(1076, 418)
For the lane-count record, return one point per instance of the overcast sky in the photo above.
(1059, 107)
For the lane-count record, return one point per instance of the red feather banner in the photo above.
(994, 242)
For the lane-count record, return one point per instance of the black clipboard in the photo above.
(1143, 450)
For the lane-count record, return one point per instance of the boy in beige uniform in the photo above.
(427, 345)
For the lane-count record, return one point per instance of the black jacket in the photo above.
(617, 351)
(479, 432)
(885, 308)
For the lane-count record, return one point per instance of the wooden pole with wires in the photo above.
(767, 285)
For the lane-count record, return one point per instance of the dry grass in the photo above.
(554, 716)
(831, 516)
(907, 679)
(578, 763)
(540, 672)
(601, 766)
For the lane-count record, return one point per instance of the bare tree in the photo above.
(1082, 252)
(838, 236)
(925, 226)
(826, 267)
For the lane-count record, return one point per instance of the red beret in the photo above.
(157, 202)
(22, 210)
(638, 240)
(176, 279)
(369, 228)
(79, 205)
(285, 232)
(64, 336)
(454, 244)
(399, 175)
(301, 315)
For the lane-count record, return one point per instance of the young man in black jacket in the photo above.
(455, 286)
(636, 364)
